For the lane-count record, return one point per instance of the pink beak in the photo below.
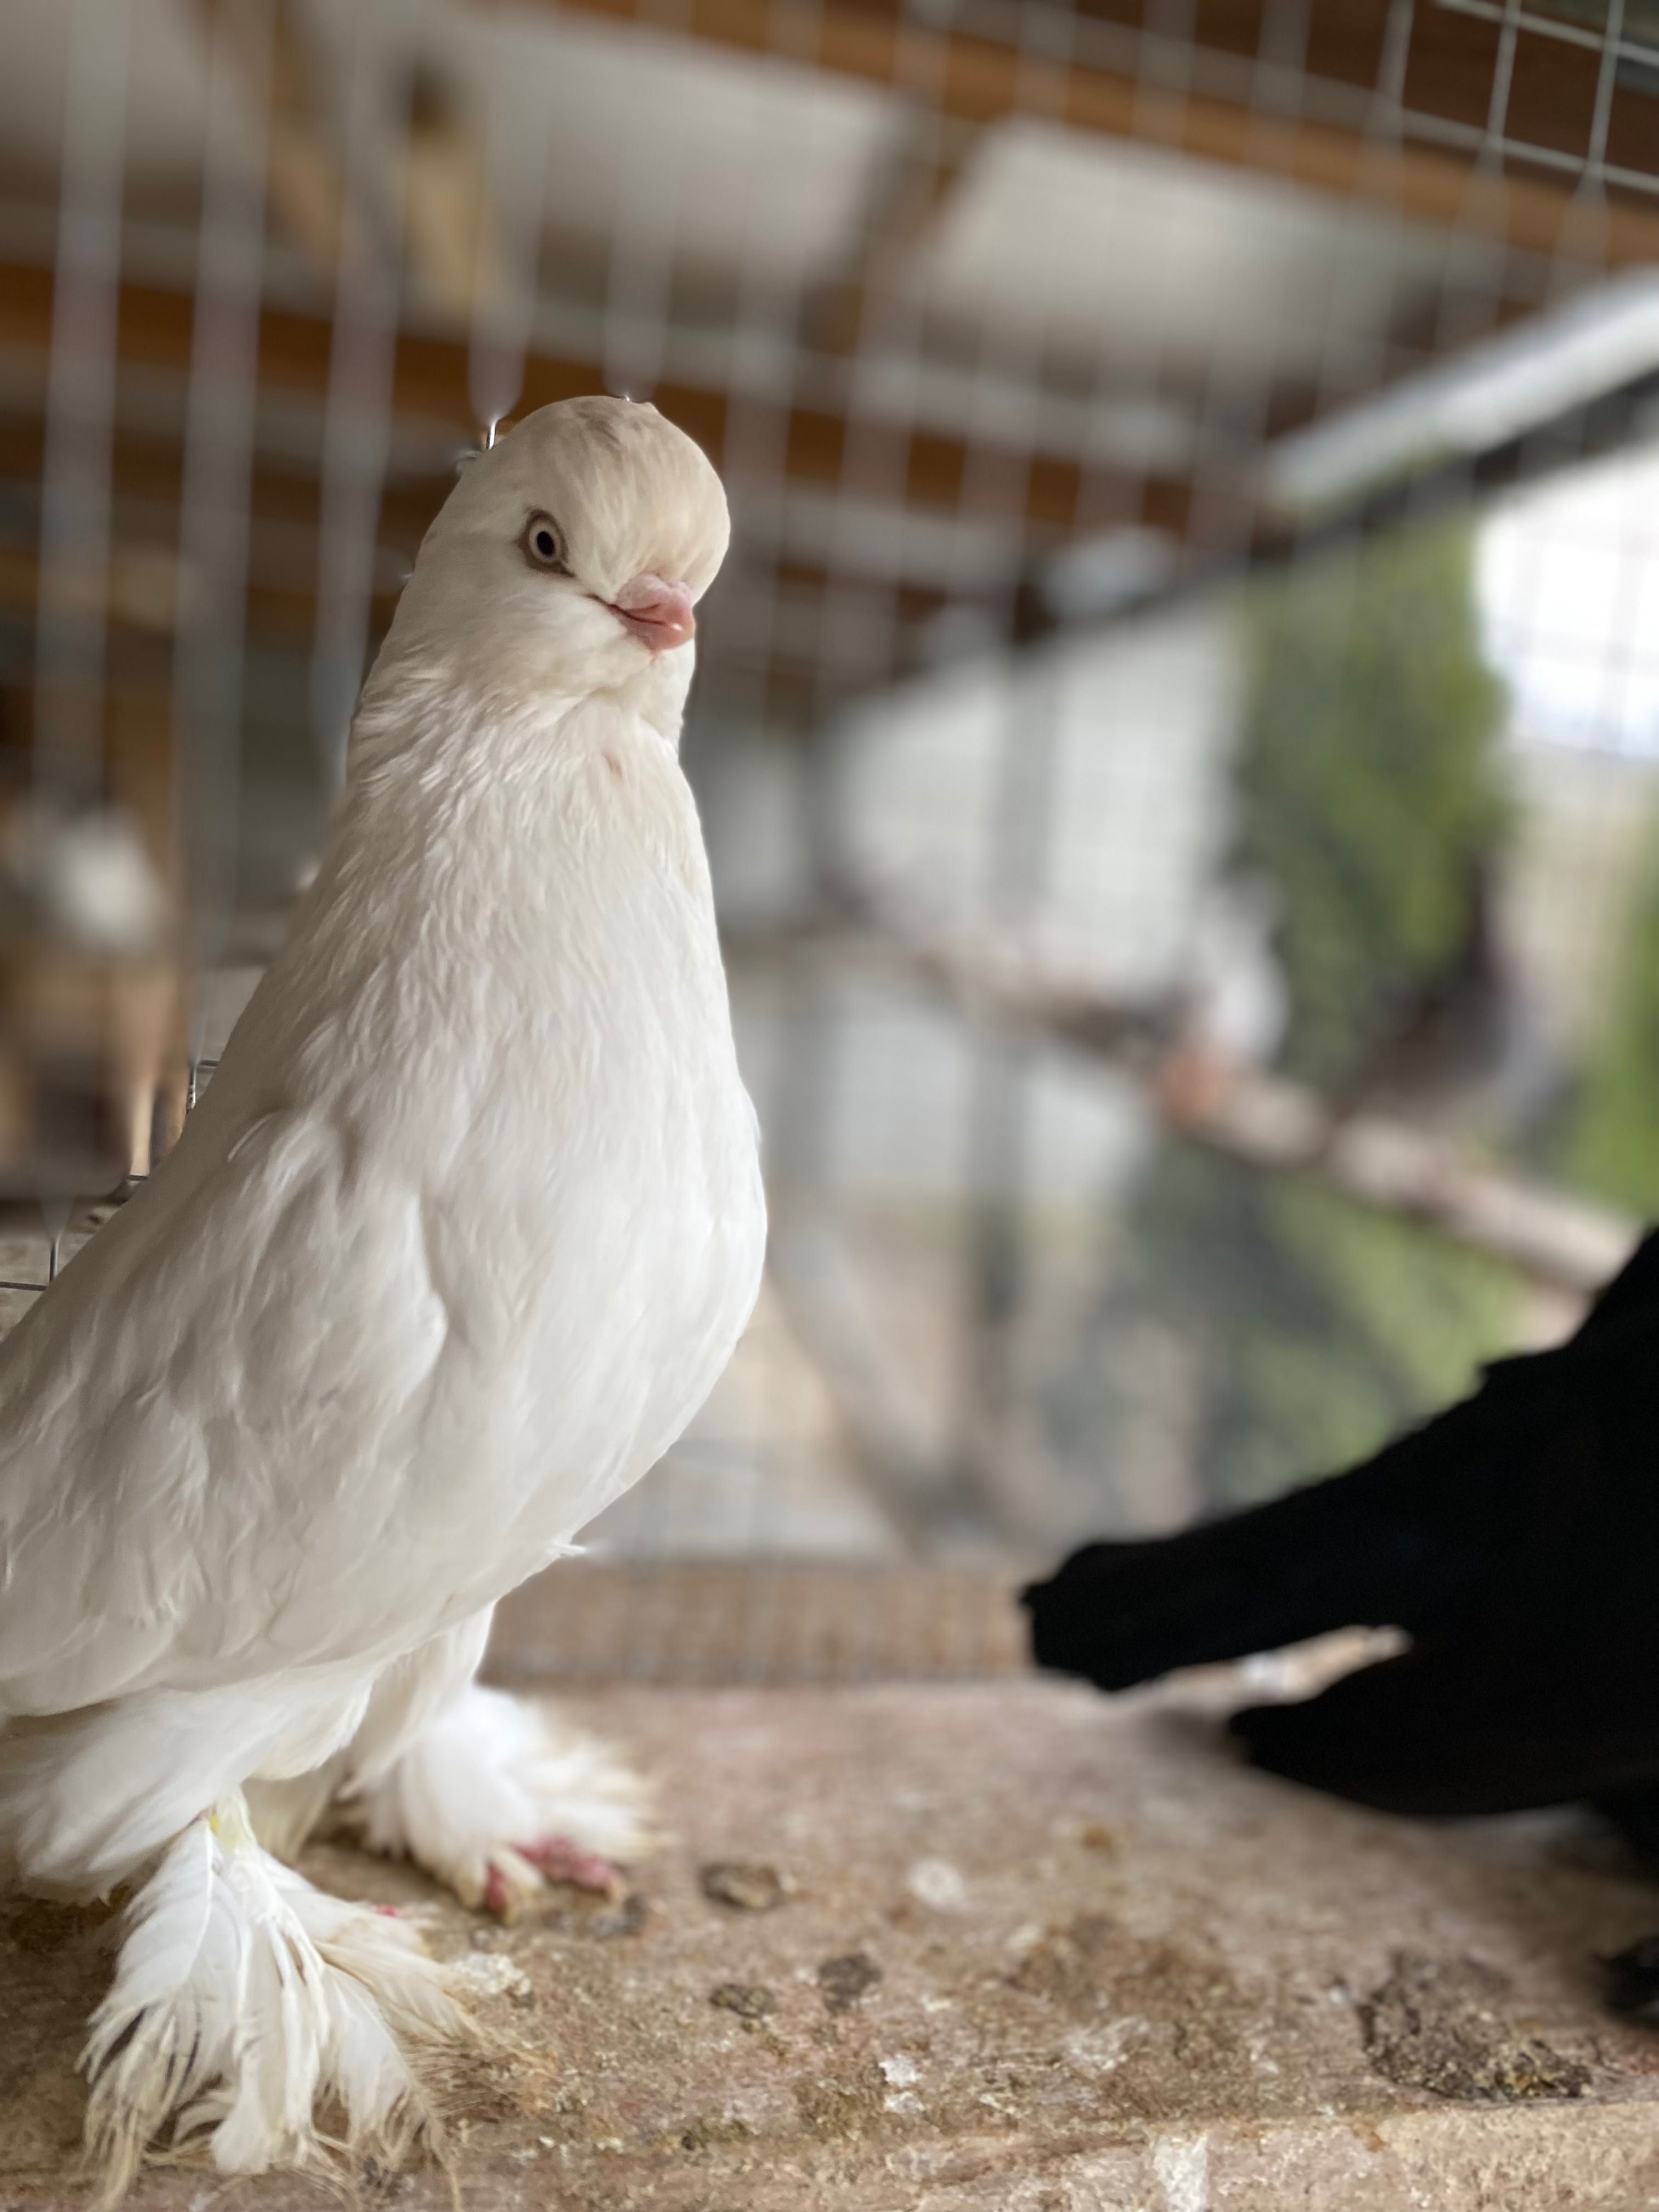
(660, 615)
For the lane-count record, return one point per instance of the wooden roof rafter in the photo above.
(1429, 167)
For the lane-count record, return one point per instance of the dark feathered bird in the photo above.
(1515, 1538)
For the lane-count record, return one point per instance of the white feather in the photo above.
(242, 1998)
(489, 1774)
(467, 1781)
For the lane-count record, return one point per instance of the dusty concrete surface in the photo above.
(990, 1946)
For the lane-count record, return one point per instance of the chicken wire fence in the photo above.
(1177, 732)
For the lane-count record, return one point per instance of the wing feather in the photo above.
(189, 1415)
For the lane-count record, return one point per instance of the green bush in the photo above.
(1323, 1327)
(1369, 796)
(1612, 1148)
(1367, 784)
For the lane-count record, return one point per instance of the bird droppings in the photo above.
(705, 2134)
(845, 1979)
(1094, 1961)
(1163, 2010)
(1183, 2166)
(1102, 2049)
(748, 2000)
(1440, 2025)
(489, 1974)
(937, 1884)
(851, 2104)
(625, 1915)
(746, 1885)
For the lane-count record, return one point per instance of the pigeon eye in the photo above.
(544, 547)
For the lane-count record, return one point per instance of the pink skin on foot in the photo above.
(559, 1860)
(563, 1861)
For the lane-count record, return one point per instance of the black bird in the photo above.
(1516, 1540)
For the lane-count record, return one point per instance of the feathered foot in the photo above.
(494, 1795)
(243, 1999)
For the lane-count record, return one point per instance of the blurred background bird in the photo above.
(94, 1000)
(460, 1237)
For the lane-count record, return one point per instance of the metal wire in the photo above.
(216, 520)
(954, 295)
(75, 539)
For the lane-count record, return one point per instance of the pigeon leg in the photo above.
(495, 1797)
(243, 2000)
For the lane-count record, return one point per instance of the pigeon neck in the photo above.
(417, 711)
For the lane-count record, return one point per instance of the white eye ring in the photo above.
(542, 546)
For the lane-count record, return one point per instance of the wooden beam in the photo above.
(145, 597)
(912, 192)
(978, 80)
(304, 182)
(452, 231)
(926, 469)
(1446, 72)
(142, 598)
(144, 594)
(147, 471)
(1369, 1153)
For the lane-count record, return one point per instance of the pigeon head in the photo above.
(571, 555)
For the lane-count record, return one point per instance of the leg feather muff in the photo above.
(494, 1794)
(244, 2001)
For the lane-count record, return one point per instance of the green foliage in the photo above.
(1354, 1325)
(1321, 1328)
(1613, 1143)
(1371, 800)
(1366, 783)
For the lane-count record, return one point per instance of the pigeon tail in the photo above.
(90, 1797)
(243, 1997)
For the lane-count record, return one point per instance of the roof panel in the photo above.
(1155, 259)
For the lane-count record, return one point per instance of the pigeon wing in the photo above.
(207, 1423)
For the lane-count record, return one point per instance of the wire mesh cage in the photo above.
(1176, 732)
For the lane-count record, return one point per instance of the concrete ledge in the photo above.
(1029, 1950)
(760, 1620)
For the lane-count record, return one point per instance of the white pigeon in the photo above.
(458, 1239)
